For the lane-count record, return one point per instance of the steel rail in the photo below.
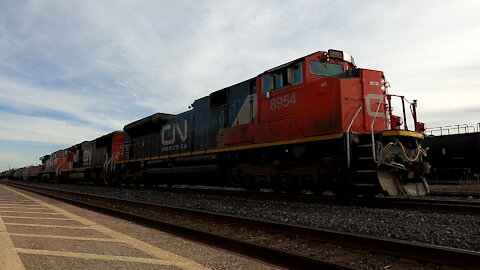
(425, 204)
(424, 252)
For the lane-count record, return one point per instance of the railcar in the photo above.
(17, 174)
(455, 158)
(318, 122)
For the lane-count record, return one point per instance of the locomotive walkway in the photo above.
(289, 246)
(40, 233)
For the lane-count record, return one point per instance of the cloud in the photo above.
(44, 130)
(13, 160)
(74, 70)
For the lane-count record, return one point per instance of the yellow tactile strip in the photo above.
(9, 254)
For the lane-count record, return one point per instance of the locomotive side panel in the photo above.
(176, 135)
(200, 123)
(117, 146)
(281, 99)
(88, 149)
(231, 108)
(321, 109)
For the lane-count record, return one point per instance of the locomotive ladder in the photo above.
(364, 166)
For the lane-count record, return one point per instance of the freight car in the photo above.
(318, 122)
(455, 158)
(25, 173)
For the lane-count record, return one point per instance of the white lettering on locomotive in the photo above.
(373, 111)
(87, 157)
(282, 102)
(175, 129)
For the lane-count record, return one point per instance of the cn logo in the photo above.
(175, 129)
(373, 103)
(87, 157)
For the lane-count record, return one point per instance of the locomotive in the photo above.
(317, 123)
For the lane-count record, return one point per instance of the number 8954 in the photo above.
(282, 102)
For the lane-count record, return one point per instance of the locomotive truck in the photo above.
(317, 123)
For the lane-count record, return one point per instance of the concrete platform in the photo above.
(37, 232)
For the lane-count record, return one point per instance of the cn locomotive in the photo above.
(317, 123)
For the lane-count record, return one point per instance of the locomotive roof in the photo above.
(285, 65)
(292, 62)
(147, 123)
(347, 55)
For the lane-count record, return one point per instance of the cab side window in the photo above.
(277, 80)
(282, 78)
(297, 74)
(266, 83)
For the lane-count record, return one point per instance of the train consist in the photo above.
(317, 123)
(454, 152)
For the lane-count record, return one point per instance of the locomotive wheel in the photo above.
(250, 183)
(294, 185)
(319, 189)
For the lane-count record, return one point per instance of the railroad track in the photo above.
(460, 194)
(427, 204)
(285, 245)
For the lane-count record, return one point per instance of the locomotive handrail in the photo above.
(371, 129)
(348, 134)
(458, 128)
(105, 165)
(472, 127)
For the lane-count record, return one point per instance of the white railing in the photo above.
(371, 130)
(348, 135)
(109, 164)
(452, 129)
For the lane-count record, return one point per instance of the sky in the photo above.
(72, 71)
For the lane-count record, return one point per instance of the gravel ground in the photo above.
(459, 231)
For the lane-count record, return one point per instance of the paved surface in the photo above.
(41, 233)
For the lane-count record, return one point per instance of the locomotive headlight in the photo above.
(335, 54)
(341, 55)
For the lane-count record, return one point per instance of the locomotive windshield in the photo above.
(325, 69)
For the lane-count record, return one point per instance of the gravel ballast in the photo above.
(458, 231)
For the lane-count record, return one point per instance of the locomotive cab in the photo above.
(324, 96)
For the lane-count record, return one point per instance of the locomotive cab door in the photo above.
(281, 103)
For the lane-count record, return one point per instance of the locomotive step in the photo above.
(366, 171)
(364, 185)
(365, 145)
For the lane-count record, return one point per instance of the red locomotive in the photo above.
(317, 123)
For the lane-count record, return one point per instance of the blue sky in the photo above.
(74, 70)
